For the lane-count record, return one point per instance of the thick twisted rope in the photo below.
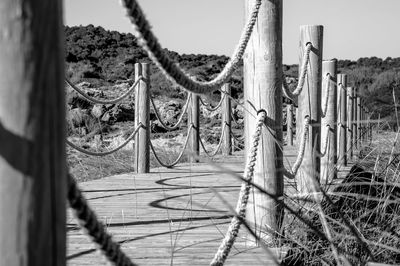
(149, 42)
(93, 228)
(180, 119)
(176, 161)
(208, 106)
(92, 153)
(112, 101)
(328, 86)
(213, 153)
(302, 75)
(233, 230)
(302, 147)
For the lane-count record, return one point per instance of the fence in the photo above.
(32, 128)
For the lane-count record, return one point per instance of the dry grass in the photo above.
(364, 224)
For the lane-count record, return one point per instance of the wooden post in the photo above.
(289, 124)
(354, 120)
(342, 94)
(309, 104)
(328, 162)
(194, 120)
(226, 120)
(350, 109)
(142, 116)
(263, 90)
(33, 183)
(358, 145)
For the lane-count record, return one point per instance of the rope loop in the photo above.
(92, 153)
(302, 147)
(180, 119)
(98, 101)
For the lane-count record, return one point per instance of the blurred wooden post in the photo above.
(194, 120)
(350, 109)
(289, 124)
(142, 116)
(358, 145)
(226, 119)
(342, 94)
(263, 90)
(33, 183)
(309, 104)
(329, 126)
(354, 120)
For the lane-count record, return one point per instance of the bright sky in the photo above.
(353, 28)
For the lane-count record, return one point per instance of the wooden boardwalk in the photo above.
(168, 217)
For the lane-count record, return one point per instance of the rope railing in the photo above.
(148, 41)
(93, 228)
(213, 153)
(302, 76)
(328, 86)
(98, 101)
(176, 161)
(230, 237)
(180, 119)
(291, 174)
(215, 108)
(92, 153)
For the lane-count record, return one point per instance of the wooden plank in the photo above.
(32, 133)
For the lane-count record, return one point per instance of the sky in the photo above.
(352, 28)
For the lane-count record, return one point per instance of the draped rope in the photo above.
(148, 41)
(93, 228)
(212, 109)
(166, 165)
(302, 75)
(180, 119)
(327, 141)
(328, 86)
(302, 147)
(233, 230)
(92, 153)
(213, 153)
(98, 101)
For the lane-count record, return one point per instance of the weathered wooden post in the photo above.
(329, 122)
(289, 124)
(226, 120)
(142, 117)
(263, 90)
(194, 121)
(33, 181)
(354, 120)
(309, 104)
(342, 94)
(350, 109)
(358, 145)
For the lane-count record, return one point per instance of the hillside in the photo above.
(104, 57)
